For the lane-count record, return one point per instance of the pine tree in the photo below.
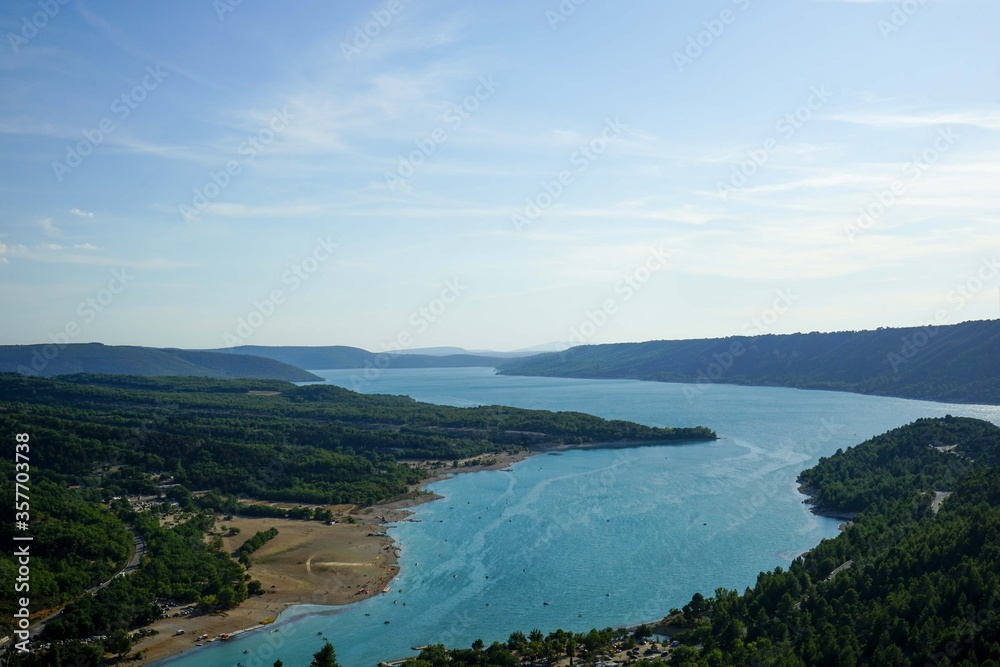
(325, 657)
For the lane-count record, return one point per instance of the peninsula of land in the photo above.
(209, 505)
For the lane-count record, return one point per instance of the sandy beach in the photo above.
(436, 470)
(309, 562)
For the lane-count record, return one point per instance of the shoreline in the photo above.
(506, 459)
(733, 382)
(622, 444)
(810, 500)
(308, 562)
(365, 537)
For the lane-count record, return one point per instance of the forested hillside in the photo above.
(959, 363)
(95, 438)
(326, 357)
(934, 454)
(908, 583)
(271, 439)
(902, 585)
(52, 360)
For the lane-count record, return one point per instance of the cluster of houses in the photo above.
(146, 503)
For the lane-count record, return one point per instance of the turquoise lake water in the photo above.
(607, 537)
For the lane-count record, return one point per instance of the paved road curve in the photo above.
(139, 549)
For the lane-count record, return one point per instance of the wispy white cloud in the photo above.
(815, 248)
(117, 141)
(405, 35)
(834, 180)
(987, 119)
(24, 126)
(49, 227)
(54, 255)
(80, 213)
(125, 42)
(686, 214)
(384, 106)
(130, 144)
(872, 2)
(229, 210)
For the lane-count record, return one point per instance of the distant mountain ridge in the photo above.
(453, 351)
(332, 357)
(956, 363)
(51, 360)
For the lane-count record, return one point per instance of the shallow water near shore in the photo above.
(606, 537)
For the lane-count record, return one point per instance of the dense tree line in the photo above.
(126, 359)
(922, 589)
(180, 566)
(931, 454)
(95, 438)
(902, 585)
(584, 647)
(259, 539)
(76, 544)
(314, 444)
(956, 363)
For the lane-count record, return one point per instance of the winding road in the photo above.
(139, 549)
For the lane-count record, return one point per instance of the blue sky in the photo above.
(494, 175)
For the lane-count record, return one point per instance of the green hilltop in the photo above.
(205, 443)
(912, 581)
(65, 359)
(327, 357)
(956, 363)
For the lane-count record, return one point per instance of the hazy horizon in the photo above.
(434, 350)
(202, 175)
